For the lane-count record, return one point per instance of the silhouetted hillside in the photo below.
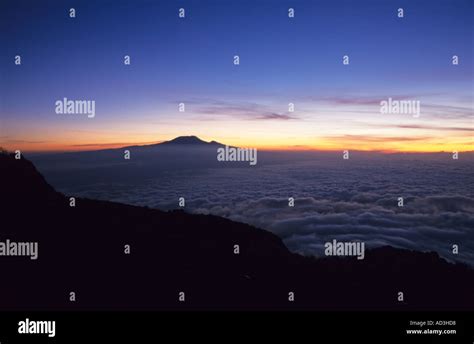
(81, 249)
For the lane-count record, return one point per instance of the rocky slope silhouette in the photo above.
(81, 250)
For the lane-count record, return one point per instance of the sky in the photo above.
(282, 60)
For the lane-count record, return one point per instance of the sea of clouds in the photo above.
(355, 199)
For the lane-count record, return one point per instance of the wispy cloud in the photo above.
(374, 139)
(25, 141)
(359, 100)
(113, 144)
(420, 127)
(358, 103)
(240, 110)
(277, 116)
(447, 111)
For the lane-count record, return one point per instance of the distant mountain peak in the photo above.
(190, 140)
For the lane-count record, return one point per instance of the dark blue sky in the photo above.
(189, 60)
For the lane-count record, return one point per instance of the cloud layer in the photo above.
(355, 199)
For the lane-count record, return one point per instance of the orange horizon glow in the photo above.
(322, 144)
(315, 130)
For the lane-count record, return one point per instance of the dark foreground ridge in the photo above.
(81, 249)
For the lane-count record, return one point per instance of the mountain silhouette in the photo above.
(188, 140)
(82, 250)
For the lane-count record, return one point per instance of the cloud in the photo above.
(425, 127)
(241, 110)
(361, 104)
(374, 139)
(277, 116)
(447, 111)
(25, 141)
(113, 144)
(352, 200)
(357, 100)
